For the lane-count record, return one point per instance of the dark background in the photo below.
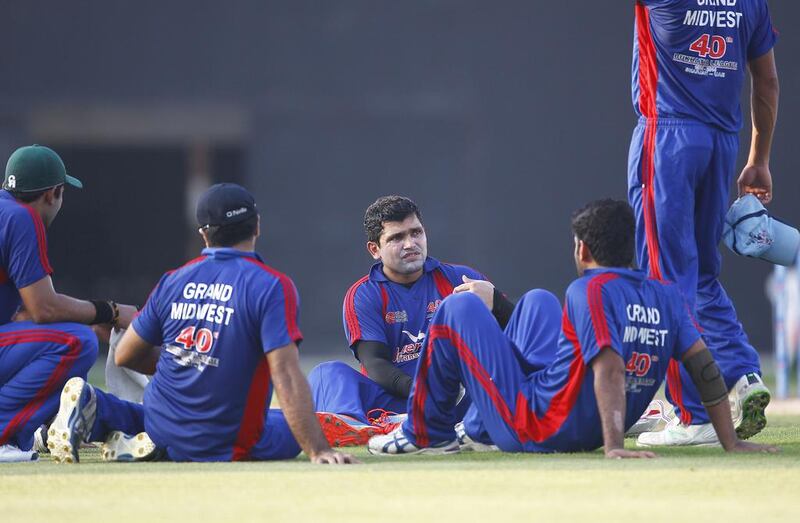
(498, 118)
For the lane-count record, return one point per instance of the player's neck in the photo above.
(402, 279)
(245, 246)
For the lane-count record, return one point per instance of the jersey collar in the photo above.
(637, 274)
(376, 272)
(227, 253)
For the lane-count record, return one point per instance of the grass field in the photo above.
(683, 484)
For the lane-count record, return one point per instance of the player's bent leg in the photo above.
(277, 441)
(464, 344)
(534, 328)
(36, 362)
(336, 387)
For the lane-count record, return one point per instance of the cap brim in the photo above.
(73, 181)
(785, 244)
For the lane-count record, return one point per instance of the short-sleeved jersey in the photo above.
(689, 57)
(215, 318)
(378, 309)
(645, 321)
(23, 253)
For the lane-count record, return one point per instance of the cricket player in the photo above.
(620, 330)
(44, 337)
(689, 61)
(386, 316)
(218, 334)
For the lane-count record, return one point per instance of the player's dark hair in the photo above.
(608, 228)
(32, 196)
(387, 209)
(230, 235)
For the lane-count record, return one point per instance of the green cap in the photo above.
(36, 167)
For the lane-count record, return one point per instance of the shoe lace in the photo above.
(382, 419)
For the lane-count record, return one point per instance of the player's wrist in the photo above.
(104, 312)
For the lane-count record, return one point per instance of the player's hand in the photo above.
(748, 446)
(628, 454)
(126, 315)
(480, 288)
(756, 180)
(333, 457)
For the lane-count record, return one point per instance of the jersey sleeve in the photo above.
(27, 252)
(362, 314)
(764, 35)
(147, 322)
(687, 332)
(280, 310)
(593, 319)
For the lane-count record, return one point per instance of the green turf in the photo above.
(682, 485)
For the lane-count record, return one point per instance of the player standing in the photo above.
(219, 333)
(619, 331)
(44, 344)
(386, 316)
(688, 70)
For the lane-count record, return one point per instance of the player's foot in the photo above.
(657, 413)
(677, 434)
(73, 423)
(751, 398)
(40, 440)
(13, 454)
(396, 443)
(121, 447)
(344, 431)
(465, 443)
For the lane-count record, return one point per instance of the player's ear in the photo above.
(258, 225)
(374, 250)
(584, 254)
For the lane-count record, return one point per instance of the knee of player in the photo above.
(324, 372)
(461, 303)
(540, 298)
(89, 346)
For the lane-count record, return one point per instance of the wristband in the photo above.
(103, 312)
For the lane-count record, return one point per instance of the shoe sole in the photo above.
(62, 438)
(658, 445)
(430, 451)
(119, 447)
(339, 433)
(753, 417)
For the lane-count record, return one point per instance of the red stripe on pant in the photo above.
(53, 383)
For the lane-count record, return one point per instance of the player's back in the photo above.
(645, 321)
(690, 56)
(214, 318)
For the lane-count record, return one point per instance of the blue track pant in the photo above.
(35, 363)
(679, 177)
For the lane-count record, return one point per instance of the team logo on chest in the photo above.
(396, 317)
(432, 306)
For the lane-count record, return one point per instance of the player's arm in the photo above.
(756, 177)
(376, 357)
(708, 380)
(609, 389)
(295, 399)
(135, 353)
(496, 301)
(43, 304)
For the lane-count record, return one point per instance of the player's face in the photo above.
(579, 265)
(53, 200)
(402, 248)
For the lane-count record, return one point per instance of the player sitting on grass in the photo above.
(219, 333)
(619, 332)
(46, 342)
(386, 315)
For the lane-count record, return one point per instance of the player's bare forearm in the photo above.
(764, 97)
(295, 399)
(134, 353)
(609, 388)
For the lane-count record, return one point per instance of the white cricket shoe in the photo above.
(121, 447)
(677, 434)
(13, 454)
(73, 423)
(465, 443)
(40, 440)
(750, 398)
(657, 413)
(397, 444)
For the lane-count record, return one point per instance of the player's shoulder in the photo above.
(454, 271)
(362, 288)
(17, 213)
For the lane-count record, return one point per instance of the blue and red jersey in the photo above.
(645, 321)
(690, 56)
(23, 253)
(215, 318)
(378, 309)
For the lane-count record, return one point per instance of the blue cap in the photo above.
(225, 204)
(750, 231)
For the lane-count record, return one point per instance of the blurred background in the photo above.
(498, 118)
